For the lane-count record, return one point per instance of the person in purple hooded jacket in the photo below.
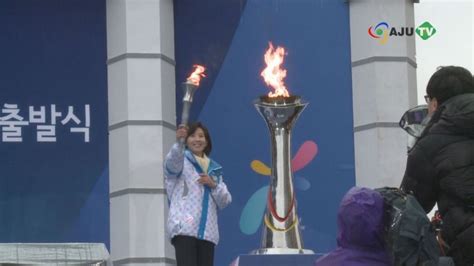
(360, 240)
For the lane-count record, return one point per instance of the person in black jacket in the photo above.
(440, 167)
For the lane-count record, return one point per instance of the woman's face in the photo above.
(197, 142)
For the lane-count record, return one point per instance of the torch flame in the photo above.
(195, 77)
(273, 74)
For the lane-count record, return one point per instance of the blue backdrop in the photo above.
(230, 38)
(54, 181)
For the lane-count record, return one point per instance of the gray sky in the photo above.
(453, 42)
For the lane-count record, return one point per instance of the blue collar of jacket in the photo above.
(213, 165)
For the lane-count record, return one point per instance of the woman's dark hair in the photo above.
(192, 129)
(448, 82)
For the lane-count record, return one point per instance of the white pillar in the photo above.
(141, 87)
(384, 86)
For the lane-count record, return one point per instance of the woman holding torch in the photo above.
(196, 192)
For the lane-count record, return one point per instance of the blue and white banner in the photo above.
(53, 122)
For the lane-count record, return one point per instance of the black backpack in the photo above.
(410, 237)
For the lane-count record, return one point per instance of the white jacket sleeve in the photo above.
(173, 167)
(221, 195)
(174, 161)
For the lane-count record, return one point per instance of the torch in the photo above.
(280, 110)
(189, 87)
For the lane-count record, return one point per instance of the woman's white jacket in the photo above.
(193, 206)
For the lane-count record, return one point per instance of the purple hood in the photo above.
(360, 231)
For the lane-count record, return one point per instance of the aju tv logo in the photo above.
(383, 31)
